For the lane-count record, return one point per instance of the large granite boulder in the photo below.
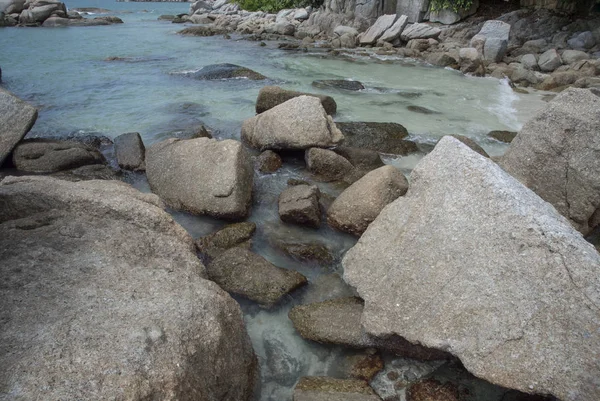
(472, 262)
(40, 10)
(202, 176)
(49, 155)
(103, 297)
(300, 123)
(271, 96)
(380, 26)
(12, 6)
(362, 202)
(16, 119)
(555, 155)
(415, 10)
(393, 32)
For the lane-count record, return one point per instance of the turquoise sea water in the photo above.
(64, 72)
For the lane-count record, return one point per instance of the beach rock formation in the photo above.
(271, 96)
(16, 119)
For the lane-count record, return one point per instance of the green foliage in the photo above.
(273, 6)
(454, 5)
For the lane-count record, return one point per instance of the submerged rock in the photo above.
(380, 137)
(305, 251)
(472, 262)
(503, 136)
(320, 388)
(299, 204)
(16, 119)
(345, 84)
(100, 285)
(244, 273)
(49, 156)
(360, 204)
(363, 160)
(298, 124)
(202, 176)
(203, 31)
(555, 155)
(421, 110)
(232, 235)
(268, 162)
(225, 71)
(271, 96)
(131, 152)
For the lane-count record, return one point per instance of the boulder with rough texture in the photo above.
(380, 137)
(299, 204)
(393, 32)
(573, 56)
(271, 96)
(380, 26)
(415, 10)
(361, 202)
(420, 31)
(103, 297)
(495, 29)
(555, 155)
(49, 155)
(470, 60)
(268, 162)
(322, 388)
(12, 6)
(247, 274)
(494, 49)
(232, 235)
(202, 176)
(40, 10)
(326, 164)
(472, 262)
(130, 151)
(529, 61)
(300, 123)
(16, 119)
(549, 61)
(362, 159)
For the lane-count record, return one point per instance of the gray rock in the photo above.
(421, 110)
(420, 31)
(503, 136)
(282, 366)
(40, 10)
(247, 274)
(338, 321)
(12, 6)
(442, 59)
(301, 14)
(348, 41)
(130, 151)
(225, 71)
(204, 31)
(303, 251)
(271, 96)
(361, 203)
(362, 159)
(268, 162)
(380, 26)
(321, 388)
(344, 84)
(49, 156)
(326, 164)
(299, 204)
(530, 62)
(494, 49)
(102, 286)
(341, 30)
(555, 156)
(424, 268)
(415, 10)
(573, 56)
(380, 137)
(472, 144)
(232, 235)
(16, 119)
(583, 40)
(549, 60)
(202, 176)
(470, 60)
(299, 123)
(88, 172)
(393, 32)
(495, 29)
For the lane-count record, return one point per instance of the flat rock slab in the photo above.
(202, 176)
(380, 26)
(16, 119)
(420, 31)
(225, 71)
(381, 137)
(321, 388)
(472, 262)
(49, 156)
(393, 32)
(244, 273)
(271, 96)
(338, 321)
(100, 285)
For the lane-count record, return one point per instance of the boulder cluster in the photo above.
(47, 13)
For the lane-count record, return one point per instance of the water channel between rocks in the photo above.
(64, 72)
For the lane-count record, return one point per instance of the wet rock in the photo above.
(549, 61)
(420, 31)
(202, 176)
(116, 287)
(202, 31)
(442, 59)
(49, 156)
(573, 56)
(225, 71)
(282, 366)
(472, 144)
(320, 388)
(363, 366)
(232, 235)
(247, 274)
(89, 172)
(361, 203)
(380, 137)
(326, 164)
(298, 124)
(130, 151)
(432, 390)
(503, 136)
(470, 60)
(376, 30)
(461, 212)
(305, 252)
(421, 110)
(363, 160)
(268, 162)
(558, 161)
(345, 84)
(16, 119)
(338, 321)
(271, 96)
(325, 287)
(299, 204)
(395, 30)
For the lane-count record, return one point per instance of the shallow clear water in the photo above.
(65, 73)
